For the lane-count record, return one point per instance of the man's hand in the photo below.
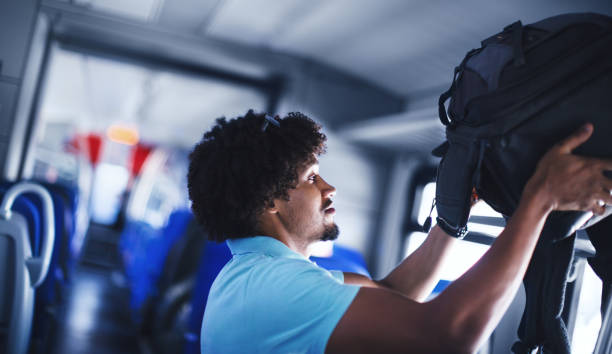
(467, 311)
(564, 181)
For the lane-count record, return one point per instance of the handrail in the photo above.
(604, 341)
(37, 266)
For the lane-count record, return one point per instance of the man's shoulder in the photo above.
(262, 261)
(266, 266)
(261, 274)
(282, 302)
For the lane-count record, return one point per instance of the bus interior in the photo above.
(101, 102)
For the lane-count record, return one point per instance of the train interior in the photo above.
(101, 102)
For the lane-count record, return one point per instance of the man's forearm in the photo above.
(419, 273)
(464, 314)
(477, 300)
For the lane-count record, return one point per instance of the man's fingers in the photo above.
(598, 210)
(604, 197)
(573, 141)
(606, 183)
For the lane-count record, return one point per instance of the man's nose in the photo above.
(327, 189)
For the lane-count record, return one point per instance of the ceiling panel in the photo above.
(406, 47)
(142, 10)
(403, 46)
(187, 16)
(415, 131)
(257, 22)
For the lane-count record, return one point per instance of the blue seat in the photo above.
(135, 241)
(144, 250)
(46, 294)
(214, 257)
(343, 259)
(170, 234)
(63, 231)
(442, 284)
(49, 294)
(27, 208)
(68, 197)
(31, 206)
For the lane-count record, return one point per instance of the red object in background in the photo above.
(140, 152)
(90, 144)
(94, 142)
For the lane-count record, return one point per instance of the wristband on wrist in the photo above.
(458, 232)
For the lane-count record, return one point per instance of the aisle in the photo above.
(95, 318)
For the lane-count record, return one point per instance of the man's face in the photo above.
(309, 212)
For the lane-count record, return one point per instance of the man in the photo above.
(254, 182)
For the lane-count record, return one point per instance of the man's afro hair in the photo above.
(240, 166)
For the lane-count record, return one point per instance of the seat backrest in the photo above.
(214, 257)
(344, 259)
(136, 239)
(17, 295)
(27, 207)
(46, 293)
(21, 270)
(174, 230)
(145, 250)
(183, 258)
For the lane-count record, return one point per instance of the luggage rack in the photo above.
(583, 247)
(604, 341)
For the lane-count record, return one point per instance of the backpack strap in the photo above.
(517, 42)
(449, 93)
(444, 97)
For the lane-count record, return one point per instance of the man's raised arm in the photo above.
(417, 275)
(462, 316)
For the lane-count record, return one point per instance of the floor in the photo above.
(95, 316)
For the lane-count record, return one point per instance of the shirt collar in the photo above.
(262, 244)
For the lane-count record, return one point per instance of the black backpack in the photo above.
(525, 89)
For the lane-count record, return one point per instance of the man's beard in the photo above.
(330, 233)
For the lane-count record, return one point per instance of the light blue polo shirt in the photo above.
(270, 299)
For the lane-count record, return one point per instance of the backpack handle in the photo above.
(441, 101)
(442, 113)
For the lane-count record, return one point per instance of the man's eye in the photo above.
(312, 178)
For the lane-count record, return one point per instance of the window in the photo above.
(487, 224)
(588, 316)
(484, 222)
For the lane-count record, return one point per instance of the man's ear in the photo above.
(272, 207)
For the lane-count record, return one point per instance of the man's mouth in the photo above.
(327, 208)
(330, 211)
